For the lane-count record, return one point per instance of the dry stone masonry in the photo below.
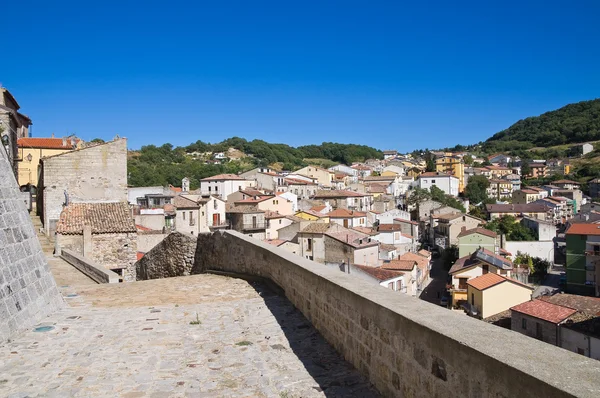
(28, 291)
(174, 256)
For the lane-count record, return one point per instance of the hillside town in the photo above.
(488, 237)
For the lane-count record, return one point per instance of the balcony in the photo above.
(222, 225)
(254, 226)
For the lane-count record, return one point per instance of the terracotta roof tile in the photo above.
(379, 273)
(544, 310)
(490, 279)
(402, 265)
(343, 213)
(104, 218)
(222, 177)
(478, 230)
(316, 228)
(584, 229)
(389, 227)
(421, 261)
(45, 143)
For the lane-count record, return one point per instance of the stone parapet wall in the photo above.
(96, 272)
(174, 256)
(28, 292)
(406, 347)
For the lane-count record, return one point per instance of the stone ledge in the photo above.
(96, 272)
(406, 346)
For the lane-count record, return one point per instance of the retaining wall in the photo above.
(96, 272)
(406, 347)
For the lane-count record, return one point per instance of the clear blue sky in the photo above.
(391, 74)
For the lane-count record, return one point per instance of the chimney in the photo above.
(64, 141)
(463, 228)
(52, 135)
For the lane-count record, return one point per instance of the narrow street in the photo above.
(436, 288)
(551, 283)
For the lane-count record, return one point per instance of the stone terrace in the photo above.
(137, 339)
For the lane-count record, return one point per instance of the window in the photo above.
(473, 298)
(433, 181)
(280, 221)
(209, 188)
(184, 215)
(523, 323)
(216, 205)
(538, 331)
(309, 244)
(216, 189)
(191, 218)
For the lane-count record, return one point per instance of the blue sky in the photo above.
(391, 74)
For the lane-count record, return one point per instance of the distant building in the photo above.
(223, 185)
(13, 125)
(198, 214)
(446, 182)
(583, 259)
(490, 294)
(454, 166)
(389, 154)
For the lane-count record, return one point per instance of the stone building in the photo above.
(104, 233)
(96, 173)
(197, 214)
(13, 125)
(249, 220)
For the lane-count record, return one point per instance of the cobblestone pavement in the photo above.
(196, 336)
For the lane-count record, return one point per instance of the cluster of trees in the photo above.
(420, 195)
(267, 153)
(538, 267)
(165, 164)
(573, 123)
(514, 231)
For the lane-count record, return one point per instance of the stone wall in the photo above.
(549, 330)
(146, 240)
(28, 292)
(117, 250)
(96, 173)
(174, 256)
(406, 347)
(96, 272)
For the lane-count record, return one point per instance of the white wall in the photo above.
(543, 250)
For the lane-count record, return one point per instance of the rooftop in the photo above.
(343, 213)
(403, 265)
(46, 143)
(357, 241)
(584, 229)
(334, 193)
(117, 340)
(544, 310)
(491, 279)
(481, 231)
(223, 177)
(114, 217)
(379, 273)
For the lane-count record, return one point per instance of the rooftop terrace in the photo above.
(138, 339)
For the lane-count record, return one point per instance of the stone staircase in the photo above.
(46, 242)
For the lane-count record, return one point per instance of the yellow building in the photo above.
(452, 165)
(31, 150)
(311, 215)
(388, 173)
(491, 294)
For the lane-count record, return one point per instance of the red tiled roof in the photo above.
(389, 227)
(275, 242)
(343, 213)
(544, 310)
(490, 279)
(221, 177)
(142, 228)
(139, 255)
(478, 230)
(584, 229)
(102, 217)
(295, 181)
(421, 261)
(435, 174)
(45, 143)
(406, 221)
(424, 253)
(404, 265)
(379, 273)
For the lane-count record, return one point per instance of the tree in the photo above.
(468, 159)
(513, 230)
(438, 195)
(97, 141)
(525, 168)
(476, 189)
(417, 196)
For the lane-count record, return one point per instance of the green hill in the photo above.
(573, 123)
(152, 165)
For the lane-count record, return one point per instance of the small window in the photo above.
(309, 244)
(473, 298)
(523, 323)
(216, 205)
(216, 189)
(209, 189)
(184, 215)
(433, 181)
(279, 221)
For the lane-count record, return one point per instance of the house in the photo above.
(248, 219)
(389, 154)
(446, 182)
(291, 197)
(469, 240)
(311, 239)
(583, 259)
(31, 150)
(348, 218)
(454, 166)
(499, 158)
(525, 196)
(388, 217)
(363, 170)
(291, 247)
(276, 221)
(538, 170)
(346, 199)
(423, 261)
(410, 269)
(324, 177)
(531, 210)
(498, 172)
(349, 247)
(490, 294)
(312, 215)
(391, 234)
(480, 262)
(104, 233)
(500, 189)
(344, 169)
(393, 170)
(390, 279)
(567, 184)
(96, 173)
(540, 319)
(264, 180)
(450, 225)
(408, 227)
(302, 188)
(243, 194)
(223, 185)
(387, 252)
(269, 203)
(196, 214)
(11, 120)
